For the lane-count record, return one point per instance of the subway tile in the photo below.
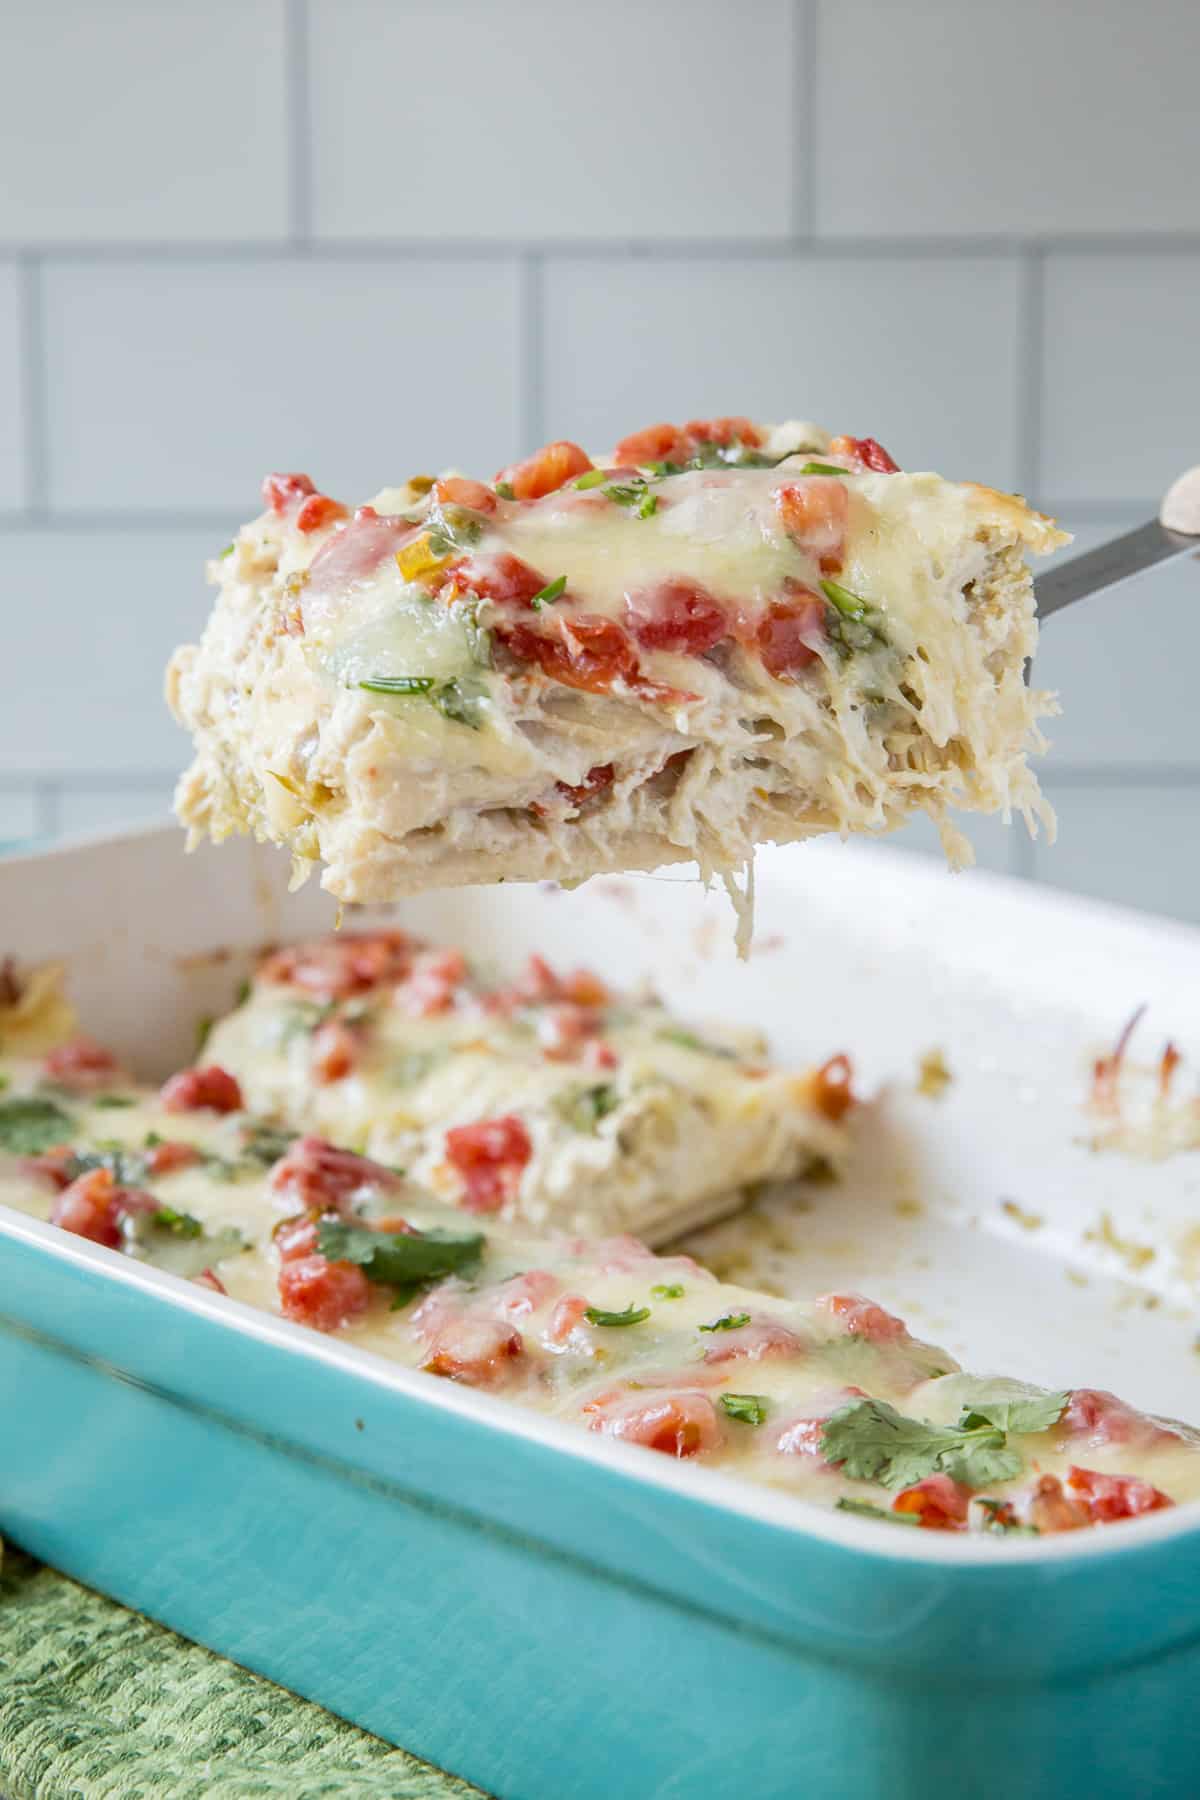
(82, 807)
(1124, 665)
(19, 814)
(12, 405)
(883, 346)
(99, 614)
(176, 387)
(936, 118)
(1122, 375)
(469, 120)
(144, 122)
(1134, 845)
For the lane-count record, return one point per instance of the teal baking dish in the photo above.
(561, 1618)
(552, 1618)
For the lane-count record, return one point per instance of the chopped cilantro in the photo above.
(729, 1322)
(871, 1441)
(647, 506)
(30, 1124)
(820, 468)
(245, 988)
(633, 1315)
(1009, 1406)
(1002, 1521)
(505, 490)
(181, 1223)
(751, 1409)
(668, 1290)
(110, 1102)
(851, 606)
(454, 702)
(398, 684)
(593, 478)
(585, 1107)
(551, 592)
(401, 1260)
(265, 1144)
(865, 1510)
(227, 551)
(126, 1167)
(204, 1027)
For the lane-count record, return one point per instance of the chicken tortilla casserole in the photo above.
(720, 634)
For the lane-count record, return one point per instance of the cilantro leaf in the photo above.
(633, 1315)
(866, 1510)
(873, 1442)
(730, 1322)
(505, 490)
(751, 1409)
(111, 1102)
(668, 1290)
(820, 468)
(30, 1123)
(593, 478)
(851, 606)
(265, 1144)
(584, 1108)
(1009, 1406)
(552, 591)
(401, 1260)
(181, 1223)
(687, 1040)
(454, 702)
(397, 684)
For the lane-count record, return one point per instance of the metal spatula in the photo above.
(1175, 532)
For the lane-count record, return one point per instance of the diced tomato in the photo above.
(595, 655)
(1100, 1418)
(207, 1278)
(867, 451)
(676, 614)
(212, 1089)
(316, 1174)
(326, 1295)
(599, 1056)
(52, 1166)
(436, 978)
(724, 432)
(546, 470)
(296, 1237)
(334, 1051)
(584, 987)
(657, 443)
(539, 982)
(939, 1503)
(355, 551)
(170, 1156)
(479, 1351)
(863, 1318)
(523, 1294)
(81, 1065)
(1109, 1497)
(676, 1424)
(787, 633)
(456, 490)
(760, 1338)
(567, 1314)
(813, 513)
(562, 1031)
(595, 782)
(498, 576)
(282, 492)
(319, 510)
(833, 1087)
(90, 1208)
(335, 968)
(489, 1157)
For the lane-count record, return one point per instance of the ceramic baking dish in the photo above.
(561, 1618)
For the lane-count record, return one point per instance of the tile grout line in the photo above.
(804, 118)
(34, 387)
(1031, 326)
(298, 117)
(531, 355)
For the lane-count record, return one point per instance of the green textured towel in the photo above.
(97, 1703)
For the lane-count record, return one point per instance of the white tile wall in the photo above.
(143, 122)
(1124, 665)
(1121, 371)
(794, 336)
(1070, 116)
(361, 238)
(1134, 844)
(472, 120)
(175, 386)
(12, 403)
(95, 617)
